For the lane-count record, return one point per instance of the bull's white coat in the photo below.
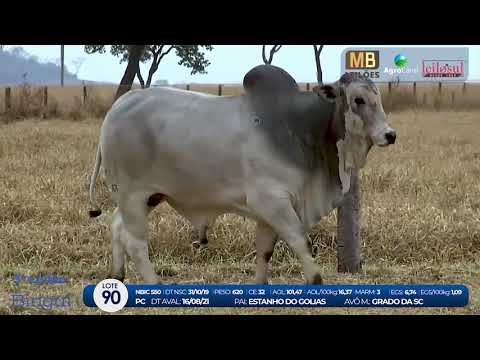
(207, 156)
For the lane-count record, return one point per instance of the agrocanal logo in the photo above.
(400, 61)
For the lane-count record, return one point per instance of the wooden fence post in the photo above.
(8, 98)
(188, 87)
(219, 89)
(45, 96)
(84, 94)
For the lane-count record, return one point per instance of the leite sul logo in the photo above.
(443, 68)
(400, 61)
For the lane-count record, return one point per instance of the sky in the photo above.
(229, 63)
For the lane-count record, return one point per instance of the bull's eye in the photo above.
(359, 101)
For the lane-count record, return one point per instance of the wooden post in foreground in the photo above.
(8, 98)
(45, 96)
(62, 65)
(84, 94)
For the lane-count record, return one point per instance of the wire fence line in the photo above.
(418, 94)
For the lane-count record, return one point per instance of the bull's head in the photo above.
(364, 122)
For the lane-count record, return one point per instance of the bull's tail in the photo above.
(96, 209)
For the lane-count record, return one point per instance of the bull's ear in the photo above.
(328, 92)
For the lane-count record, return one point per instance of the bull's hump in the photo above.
(268, 79)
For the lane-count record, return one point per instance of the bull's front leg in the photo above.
(265, 243)
(277, 211)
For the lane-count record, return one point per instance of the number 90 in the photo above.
(114, 296)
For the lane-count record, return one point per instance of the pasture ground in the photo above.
(420, 211)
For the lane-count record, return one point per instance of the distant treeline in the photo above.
(18, 67)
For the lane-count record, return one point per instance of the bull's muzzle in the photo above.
(391, 136)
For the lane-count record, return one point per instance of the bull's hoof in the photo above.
(317, 280)
(198, 244)
(349, 268)
(95, 213)
(261, 282)
(118, 277)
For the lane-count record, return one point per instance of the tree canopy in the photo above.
(190, 56)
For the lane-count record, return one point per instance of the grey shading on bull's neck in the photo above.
(295, 123)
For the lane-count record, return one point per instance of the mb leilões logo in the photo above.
(366, 62)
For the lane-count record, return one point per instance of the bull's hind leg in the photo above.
(200, 222)
(277, 211)
(202, 235)
(265, 243)
(118, 249)
(134, 212)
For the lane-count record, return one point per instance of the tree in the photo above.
(77, 64)
(134, 55)
(348, 213)
(273, 50)
(318, 50)
(190, 56)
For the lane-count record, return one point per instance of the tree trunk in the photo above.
(153, 67)
(140, 78)
(348, 214)
(274, 50)
(150, 76)
(348, 229)
(264, 57)
(318, 51)
(152, 71)
(319, 72)
(135, 53)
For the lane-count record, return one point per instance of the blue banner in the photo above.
(107, 296)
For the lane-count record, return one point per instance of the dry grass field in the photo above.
(420, 211)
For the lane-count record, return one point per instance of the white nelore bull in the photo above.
(277, 155)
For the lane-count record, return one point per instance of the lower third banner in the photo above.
(113, 294)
